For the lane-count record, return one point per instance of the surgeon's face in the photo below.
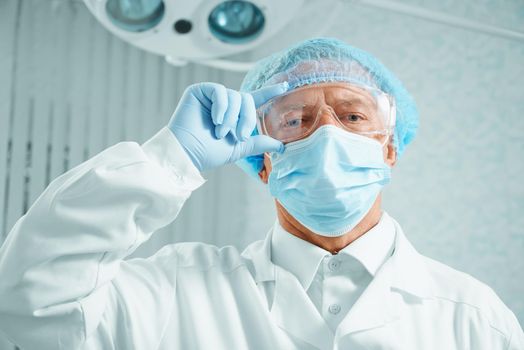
(298, 114)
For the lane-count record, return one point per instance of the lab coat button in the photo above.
(334, 264)
(177, 175)
(334, 309)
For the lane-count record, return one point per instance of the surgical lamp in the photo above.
(203, 31)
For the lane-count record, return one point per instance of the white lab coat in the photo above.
(65, 285)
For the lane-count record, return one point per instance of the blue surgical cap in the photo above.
(326, 60)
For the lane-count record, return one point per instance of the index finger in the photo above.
(264, 94)
(217, 93)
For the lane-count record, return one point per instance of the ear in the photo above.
(390, 154)
(266, 169)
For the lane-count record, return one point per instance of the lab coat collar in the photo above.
(259, 253)
(408, 267)
(409, 271)
(303, 258)
(374, 247)
(296, 255)
(379, 304)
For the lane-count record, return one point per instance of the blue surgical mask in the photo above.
(329, 180)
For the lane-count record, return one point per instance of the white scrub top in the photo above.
(65, 284)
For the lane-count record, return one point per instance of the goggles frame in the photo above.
(386, 131)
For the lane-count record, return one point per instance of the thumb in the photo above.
(259, 144)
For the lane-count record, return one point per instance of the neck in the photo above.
(331, 244)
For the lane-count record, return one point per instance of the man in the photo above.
(321, 123)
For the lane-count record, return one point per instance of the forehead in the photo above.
(328, 92)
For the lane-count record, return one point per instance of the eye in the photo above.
(292, 123)
(352, 118)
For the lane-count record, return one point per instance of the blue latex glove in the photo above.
(214, 124)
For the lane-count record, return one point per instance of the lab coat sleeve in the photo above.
(59, 264)
(516, 340)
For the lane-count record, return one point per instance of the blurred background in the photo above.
(69, 88)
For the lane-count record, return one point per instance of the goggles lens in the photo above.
(357, 109)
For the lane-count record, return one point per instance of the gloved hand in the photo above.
(214, 124)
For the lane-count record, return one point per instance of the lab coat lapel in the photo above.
(381, 303)
(294, 312)
(374, 308)
(291, 309)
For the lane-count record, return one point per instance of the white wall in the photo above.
(68, 89)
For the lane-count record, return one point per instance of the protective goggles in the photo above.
(358, 109)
